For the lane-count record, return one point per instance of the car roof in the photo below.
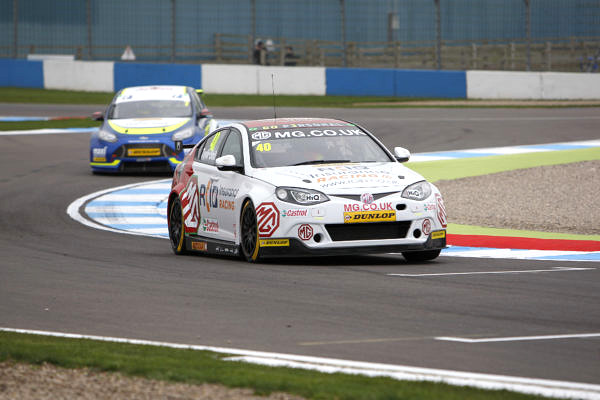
(275, 123)
(156, 92)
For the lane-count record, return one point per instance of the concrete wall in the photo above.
(89, 76)
(106, 76)
(532, 85)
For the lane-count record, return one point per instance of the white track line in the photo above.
(543, 387)
(518, 338)
(554, 269)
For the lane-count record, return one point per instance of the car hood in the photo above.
(341, 178)
(149, 125)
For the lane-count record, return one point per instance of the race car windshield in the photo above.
(150, 109)
(313, 145)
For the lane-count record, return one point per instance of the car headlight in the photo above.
(305, 197)
(107, 136)
(417, 191)
(183, 134)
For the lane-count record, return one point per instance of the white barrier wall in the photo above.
(564, 85)
(503, 85)
(532, 85)
(292, 80)
(254, 79)
(89, 76)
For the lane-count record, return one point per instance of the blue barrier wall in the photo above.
(136, 74)
(21, 73)
(396, 83)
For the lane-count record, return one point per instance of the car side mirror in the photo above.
(401, 154)
(228, 163)
(98, 116)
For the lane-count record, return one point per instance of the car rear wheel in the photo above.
(420, 256)
(249, 233)
(176, 228)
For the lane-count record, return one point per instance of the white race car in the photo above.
(302, 186)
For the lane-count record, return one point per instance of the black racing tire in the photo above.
(176, 227)
(249, 244)
(420, 256)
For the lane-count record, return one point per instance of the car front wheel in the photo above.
(249, 233)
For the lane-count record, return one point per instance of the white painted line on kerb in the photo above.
(518, 338)
(542, 387)
(524, 271)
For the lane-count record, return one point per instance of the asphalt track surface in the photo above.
(59, 275)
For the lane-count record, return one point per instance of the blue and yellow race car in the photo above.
(140, 127)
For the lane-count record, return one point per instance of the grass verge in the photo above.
(459, 229)
(197, 367)
(476, 166)
(52, 124)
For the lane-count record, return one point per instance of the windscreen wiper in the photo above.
(321, 162)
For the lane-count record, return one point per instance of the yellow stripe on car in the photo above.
(173, 160)
(106, 164)
(146, 131)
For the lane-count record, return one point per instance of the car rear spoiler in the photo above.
(180, 146)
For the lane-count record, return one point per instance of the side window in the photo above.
(233, 146)
(211, 146)
(197, 99)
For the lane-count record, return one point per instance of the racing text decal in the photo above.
(441, 212)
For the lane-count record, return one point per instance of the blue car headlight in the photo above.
(107, 136)
(305, 197)
(183, 134)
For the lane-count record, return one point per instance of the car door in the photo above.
(206, 173)
(229, 196)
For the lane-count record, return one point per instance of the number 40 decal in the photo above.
(263, 147)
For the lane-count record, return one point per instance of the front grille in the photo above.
(368, 231)
(151, 166)
(165, 151)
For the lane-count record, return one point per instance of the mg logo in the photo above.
(366, 198)
(305, 232)
(261, 135)
(267, 216)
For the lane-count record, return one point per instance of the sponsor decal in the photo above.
(318, 212)
(267, 216)
(99, 159)
(382, 206)
(211, 193)
(369, 216)
(305, 232)
(99, 152)
(438, 234)
(274, 242)
(294, 212)
(229, 250)
(366, 198)
(294, 134)
(299, 125)
(210, 225)
(200, 246)
(429, 206)
(441, 210)
(190, 205)
(143, 152)
(426, 228)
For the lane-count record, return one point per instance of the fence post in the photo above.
(548, 56)
(528, 31)
(281, 51)
(343, 24)
(438, 28)
(474, 55)
(15, 28)
(218, 47)
(397, 54)
(88, 17)
(512, 55)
